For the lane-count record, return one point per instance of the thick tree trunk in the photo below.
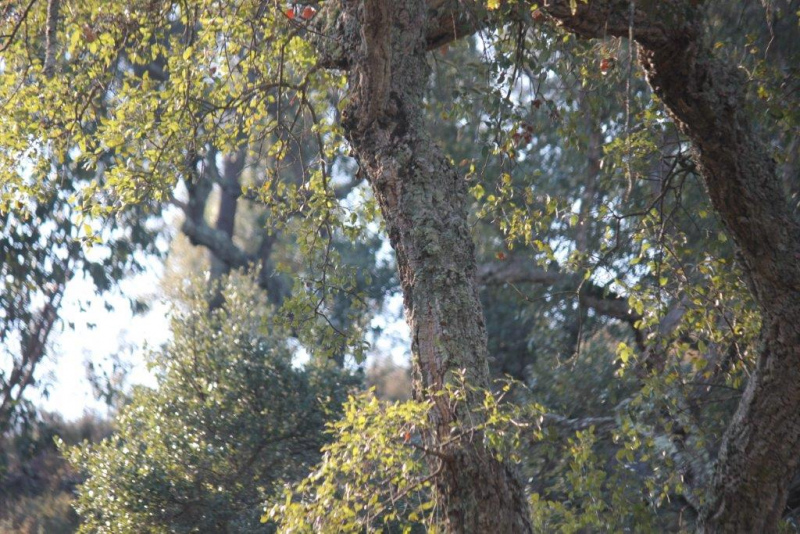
(760, 450)
(423, 201)
(761, 447)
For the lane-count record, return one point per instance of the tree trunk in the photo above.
(230, 191)
(423, 202)
(761, 447)
(706, 97)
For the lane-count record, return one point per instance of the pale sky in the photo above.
(70, 392)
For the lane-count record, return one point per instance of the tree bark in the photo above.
(423, 202)
(761, 447)
(706, 97)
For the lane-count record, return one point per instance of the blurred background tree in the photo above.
(234, 417)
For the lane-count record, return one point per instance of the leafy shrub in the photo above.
(231, 420)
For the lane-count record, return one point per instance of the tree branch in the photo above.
(518, 271)
(217, 241)
(450, 20)
(655, 23)
(197, 229)
(51, 38)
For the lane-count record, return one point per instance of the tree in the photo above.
(230, 421)
(423, 202)
(40, 253)
(37, 482)
(380, 48)
(749, 488)
(759, 455)
(46, 229)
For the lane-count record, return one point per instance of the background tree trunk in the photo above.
(423, 201)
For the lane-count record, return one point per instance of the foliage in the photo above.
(158, 90)
(592, 494)
(372, 476)
(575, 169)
(380, 472)
(40, 252)
(581, 181)
(151, 84)
(36, 482)
(231, 419)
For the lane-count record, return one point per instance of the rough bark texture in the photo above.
(51, 43)
(760, 450)
(762, 445)
(423, 201)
